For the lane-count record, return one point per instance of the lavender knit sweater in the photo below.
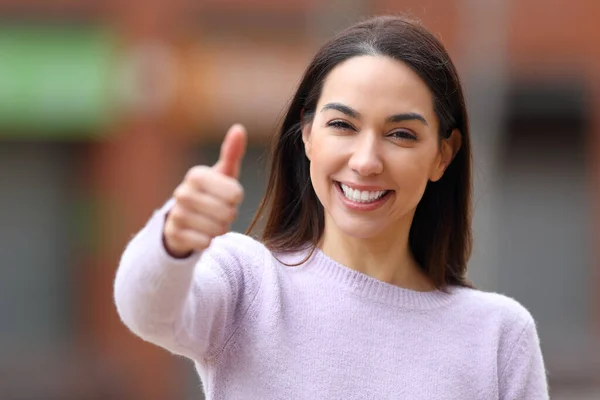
(257, 329)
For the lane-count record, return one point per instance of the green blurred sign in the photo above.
(55, 80)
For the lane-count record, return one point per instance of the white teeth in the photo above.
(362, 196)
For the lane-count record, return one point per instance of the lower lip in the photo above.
(354, 205)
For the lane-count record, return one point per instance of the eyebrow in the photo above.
(349, 111)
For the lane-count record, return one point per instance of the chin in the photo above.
(358, 229)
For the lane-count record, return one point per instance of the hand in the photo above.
(206, 201)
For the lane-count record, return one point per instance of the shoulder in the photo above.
(498, 309)
(238, 248)
(520, 362)
(504, 320)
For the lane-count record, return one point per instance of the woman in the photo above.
(357, 288)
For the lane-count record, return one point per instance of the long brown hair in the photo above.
(440, 234)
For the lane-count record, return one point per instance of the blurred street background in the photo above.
(104, 104)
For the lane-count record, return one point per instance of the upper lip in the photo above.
(367, 188)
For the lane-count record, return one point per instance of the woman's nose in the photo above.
(365, 159)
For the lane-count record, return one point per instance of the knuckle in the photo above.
(202, 226)
(177, 237)
(185, 197)
(233, 213)
(203, 241)
(195, 170)
(181, 192)
(178, 216)
(197, 174)
(237, 194)
(168, 230)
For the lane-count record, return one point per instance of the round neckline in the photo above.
(372, 288)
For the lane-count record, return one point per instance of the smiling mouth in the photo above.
(362, 196)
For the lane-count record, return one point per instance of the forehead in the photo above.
(370, 83)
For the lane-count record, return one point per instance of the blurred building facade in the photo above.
(104, 105)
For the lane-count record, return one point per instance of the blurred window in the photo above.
(36, 208)
(545, 230)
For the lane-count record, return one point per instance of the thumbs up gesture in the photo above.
(206, 201)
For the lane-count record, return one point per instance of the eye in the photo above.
(338, 124)
(402, 135)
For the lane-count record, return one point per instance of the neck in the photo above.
(386, 257)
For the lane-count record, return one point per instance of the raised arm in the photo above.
(181, 283)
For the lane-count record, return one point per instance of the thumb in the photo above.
(232, 152)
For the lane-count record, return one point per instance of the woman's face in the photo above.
(373, 146)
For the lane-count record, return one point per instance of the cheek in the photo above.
(324, 164)
(323, 159)
(318, 164)
(411, 173)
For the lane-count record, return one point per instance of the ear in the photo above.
(306, 138)
(448, 149)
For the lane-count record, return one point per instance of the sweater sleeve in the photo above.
(523, 375)
(190, 306)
